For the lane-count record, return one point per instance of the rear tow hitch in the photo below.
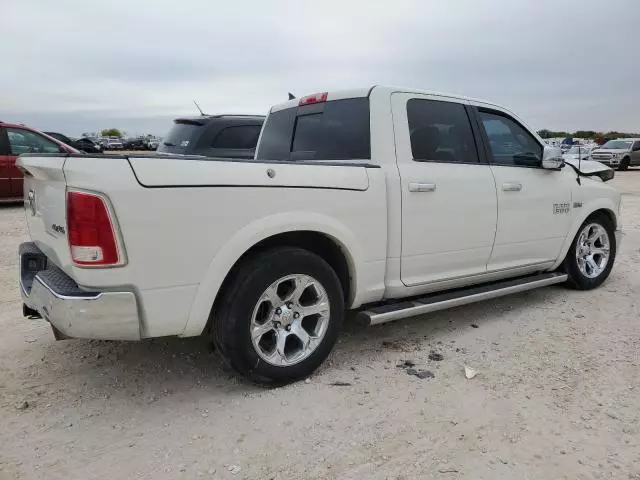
(30, 313)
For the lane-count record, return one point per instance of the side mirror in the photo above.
(552, 158)
(527, 160)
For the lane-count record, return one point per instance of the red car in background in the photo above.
(14, 140)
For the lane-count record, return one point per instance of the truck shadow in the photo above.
(169, 369)
(8, 206)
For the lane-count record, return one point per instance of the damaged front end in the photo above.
(590, 168)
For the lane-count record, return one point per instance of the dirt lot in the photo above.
(557, 394)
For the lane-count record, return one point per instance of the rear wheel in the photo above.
(624, 164)
(590, 258)
(280, 316)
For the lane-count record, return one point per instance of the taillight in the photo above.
(315, 98)
(90, 229)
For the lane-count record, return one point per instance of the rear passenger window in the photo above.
(240, 137)
(440, 132)
(510, 143)
(335, 130)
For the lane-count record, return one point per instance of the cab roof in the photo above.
(383, 89)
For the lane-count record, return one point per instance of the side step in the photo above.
(454, 298)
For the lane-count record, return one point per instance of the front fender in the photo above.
(606, 204)
(251, 235)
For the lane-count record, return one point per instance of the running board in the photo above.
(454, 298)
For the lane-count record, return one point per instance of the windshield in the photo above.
(617, 144)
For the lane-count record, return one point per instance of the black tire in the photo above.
(577, 279)
(624, 164)
(233, 312)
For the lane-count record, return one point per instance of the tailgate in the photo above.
(45, 205)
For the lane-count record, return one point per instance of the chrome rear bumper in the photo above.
(71, 310)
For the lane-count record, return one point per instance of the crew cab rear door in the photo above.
(449, 207)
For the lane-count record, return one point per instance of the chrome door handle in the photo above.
(422, 187)
(511, 187)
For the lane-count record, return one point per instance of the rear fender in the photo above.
(251, 235)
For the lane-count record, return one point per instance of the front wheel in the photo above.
(624, 164)
(280, 316)
(593, 251)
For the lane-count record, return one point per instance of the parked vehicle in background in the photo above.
(355, 199)
(87, 145)
(135, 144)
(577, 152)
(113, 144)
(230, 136)
(83, 144)
(15, 140)
(621, 153)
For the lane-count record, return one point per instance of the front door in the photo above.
(635, 153)
(449, 205)
(534, 204)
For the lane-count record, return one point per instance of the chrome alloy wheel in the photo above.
(592, 250)
(290, 320)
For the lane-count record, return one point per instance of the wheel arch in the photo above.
(609, 213)
(321, 235)
(605, 207)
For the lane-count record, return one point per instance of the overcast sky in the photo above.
(75, 65)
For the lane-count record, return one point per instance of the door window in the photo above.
(25, 141)
(242, 137)
(636, 146)
(440, 132)
(510, 143)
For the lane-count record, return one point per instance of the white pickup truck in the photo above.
(393, 202)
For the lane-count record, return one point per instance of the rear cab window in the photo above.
(331, 130)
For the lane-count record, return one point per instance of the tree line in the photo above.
(544, 133)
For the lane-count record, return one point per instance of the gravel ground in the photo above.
(557, 394)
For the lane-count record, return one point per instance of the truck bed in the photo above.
(184, 222)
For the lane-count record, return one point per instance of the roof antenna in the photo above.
(291, 96)
(579, 163)
(199, 109)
